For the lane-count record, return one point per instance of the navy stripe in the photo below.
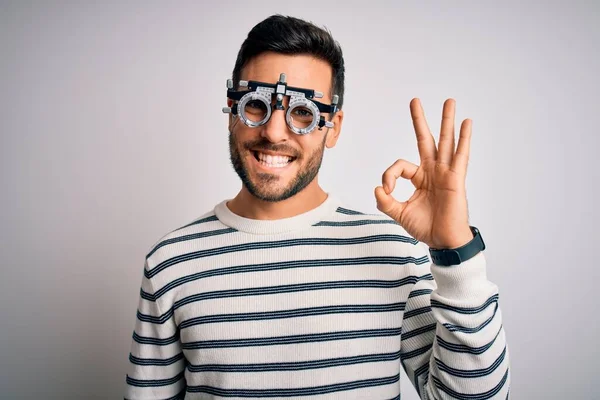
(419, 292)
(155, 320)
(178, 396)
(276, 290)
(279, 340)
(299, 287)
(478, 396)
(465, 310)
(296, 366)
(416, 352)
(192, 236)
(155, 361)
(274, 244)
(210, 218)
(359, 222)
(155, 341)
(419, 331)
(307, 391)
(155, 382)
(475, 373)
(458, 328)
(423, 369)
(416, 311)
(147, 296)
(295, 313)
(461, 348)
(341, 262)
(343, 210)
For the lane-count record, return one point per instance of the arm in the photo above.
(453, 341)
(156, 362)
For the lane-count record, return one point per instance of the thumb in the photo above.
(388, 205)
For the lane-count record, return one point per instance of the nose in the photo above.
(276, 129)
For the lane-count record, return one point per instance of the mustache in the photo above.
(263, 144)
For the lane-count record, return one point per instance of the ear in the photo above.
(334, 133)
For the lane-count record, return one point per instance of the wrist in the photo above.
(457, 255)
(456, 241)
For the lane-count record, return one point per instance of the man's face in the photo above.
(273, 162)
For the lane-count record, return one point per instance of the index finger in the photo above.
(425, 140)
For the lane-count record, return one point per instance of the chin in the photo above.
(271, 192)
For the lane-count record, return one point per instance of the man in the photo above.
(282, 292)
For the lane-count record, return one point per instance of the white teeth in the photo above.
(273, 161)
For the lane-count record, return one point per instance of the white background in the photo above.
(112, 135)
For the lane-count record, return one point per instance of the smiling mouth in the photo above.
(271, 161)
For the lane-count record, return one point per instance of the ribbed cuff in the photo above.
(467, 280)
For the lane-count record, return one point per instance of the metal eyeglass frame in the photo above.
(264, 92)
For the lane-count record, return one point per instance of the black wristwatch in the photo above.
(447, 257)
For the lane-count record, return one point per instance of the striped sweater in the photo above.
(329, 304)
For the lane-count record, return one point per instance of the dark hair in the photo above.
(289, 35)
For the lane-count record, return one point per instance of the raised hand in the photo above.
(436, 214)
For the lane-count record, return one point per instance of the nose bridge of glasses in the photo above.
(285, 102)
(278, 115)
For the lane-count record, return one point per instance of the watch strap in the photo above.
(447, 257)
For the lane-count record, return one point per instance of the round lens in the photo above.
(302, 117)
(255, 110)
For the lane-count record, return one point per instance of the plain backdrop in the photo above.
(112, 135)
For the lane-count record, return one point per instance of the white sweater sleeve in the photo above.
(453, 341)
(156, 361)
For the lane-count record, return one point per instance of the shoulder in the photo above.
(345, 215)
(191, 236)
(374, 226)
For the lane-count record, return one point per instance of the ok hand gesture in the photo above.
(436, 214)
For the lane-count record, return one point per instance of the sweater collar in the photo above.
(283, 225)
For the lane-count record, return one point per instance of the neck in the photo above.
(248, 206)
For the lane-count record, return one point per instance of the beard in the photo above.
(265, 187)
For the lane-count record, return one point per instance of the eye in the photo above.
(255, 104)
(256, 108)
(302, 112)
